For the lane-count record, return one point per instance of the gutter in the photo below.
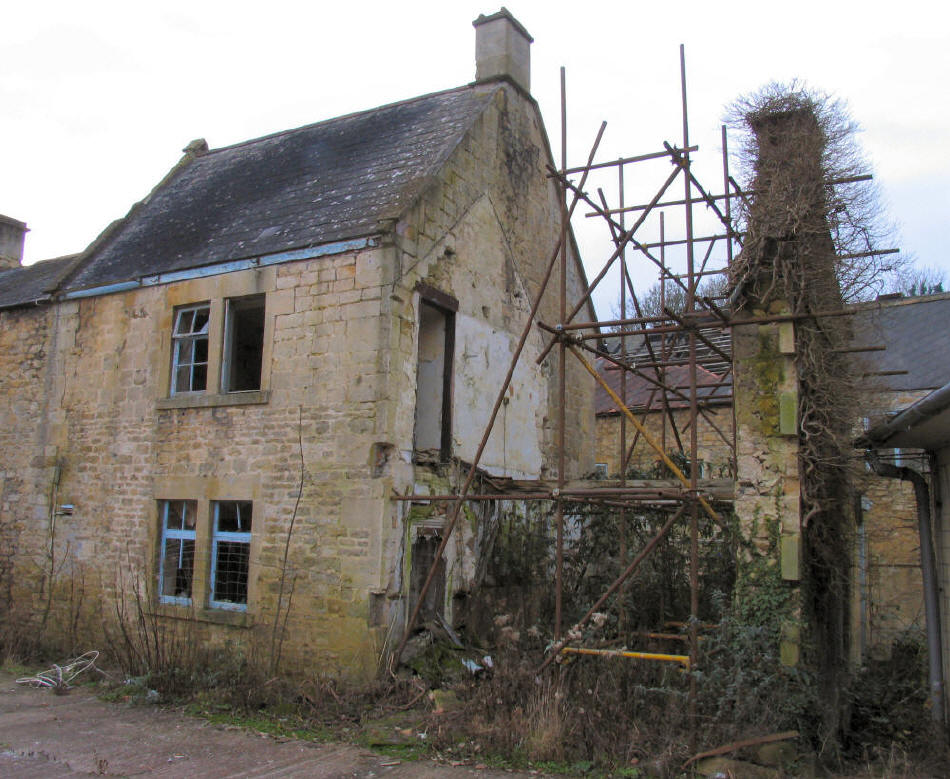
(215, 269)
(911, 417)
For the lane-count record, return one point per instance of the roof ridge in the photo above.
(878, 303)
(351, 115)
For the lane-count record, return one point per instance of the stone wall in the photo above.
(28, 469)
(888, 602)
(714, 453)
(942, 546)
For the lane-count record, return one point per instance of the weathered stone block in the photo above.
(786, 337)
(788, 413)
(790, 553)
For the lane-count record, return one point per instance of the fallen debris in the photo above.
(787, 735)
(58, 677)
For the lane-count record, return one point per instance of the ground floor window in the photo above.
(204, 552)
(178, 550)
(230, 553)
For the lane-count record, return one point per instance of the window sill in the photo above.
(233, 618)
(205, 400)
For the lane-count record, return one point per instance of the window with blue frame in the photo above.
(176, 568)
(230, 553)
(190, 349)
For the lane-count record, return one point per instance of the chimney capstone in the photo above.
(502, 49)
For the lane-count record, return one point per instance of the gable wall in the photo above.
(484, 233)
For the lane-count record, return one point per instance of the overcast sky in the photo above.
(99, 97)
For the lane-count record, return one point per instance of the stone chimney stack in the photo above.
(502, 49)
(12, 234)
(789, 248)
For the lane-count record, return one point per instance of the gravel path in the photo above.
(46, 735)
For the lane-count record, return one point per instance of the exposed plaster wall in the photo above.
(484, 233)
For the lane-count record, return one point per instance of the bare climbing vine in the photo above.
(812, 230)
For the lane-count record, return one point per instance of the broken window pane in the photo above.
(190, 349)
(176, 567)
(230, 553)
(243, 344)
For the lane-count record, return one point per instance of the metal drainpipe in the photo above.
(928, 566)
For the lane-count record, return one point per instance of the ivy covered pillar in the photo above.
(794, 399)
(767, 501)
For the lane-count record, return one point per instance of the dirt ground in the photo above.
(46, 735)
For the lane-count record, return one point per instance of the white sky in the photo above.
(98, 97)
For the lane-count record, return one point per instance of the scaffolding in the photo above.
(665, 349)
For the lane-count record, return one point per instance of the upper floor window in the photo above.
(433, 425)
(217, 350)
(190, 349)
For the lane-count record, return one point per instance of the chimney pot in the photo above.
(502, 49)
(12, 235)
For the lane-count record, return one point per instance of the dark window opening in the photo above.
(433, 428)
(423, 556)
(243, 344)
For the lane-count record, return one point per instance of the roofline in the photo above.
(46, 297)
(192, 151)
(26, 303)
(877, 304)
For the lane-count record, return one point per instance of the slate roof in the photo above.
(639, 389)
(318, 184)
(24, 285)
(916, 332)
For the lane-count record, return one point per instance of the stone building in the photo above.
(645, 398)
(910, 448)
(913, 364)
(214, 404)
